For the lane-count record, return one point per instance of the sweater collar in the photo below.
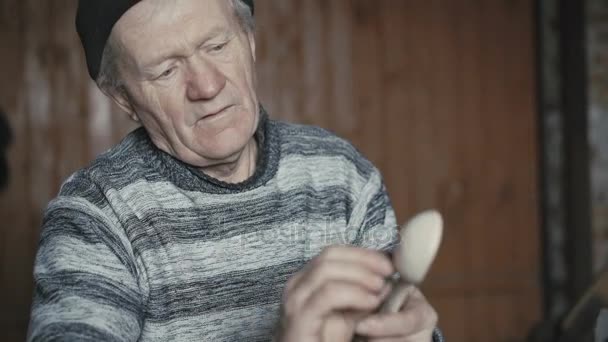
(191, 178)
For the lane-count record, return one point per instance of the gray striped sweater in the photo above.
(142, 247)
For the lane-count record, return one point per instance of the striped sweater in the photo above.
(142, 247)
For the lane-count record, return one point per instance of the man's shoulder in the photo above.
(317, 145)
(298, 131)
(314, 137)
(121, 164)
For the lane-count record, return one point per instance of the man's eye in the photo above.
(166, 73)
(219, 47)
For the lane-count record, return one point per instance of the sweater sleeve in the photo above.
(86, 286)
(373, 216)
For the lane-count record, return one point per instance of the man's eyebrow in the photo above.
(212, 33)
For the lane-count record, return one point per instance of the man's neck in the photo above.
(238, 171)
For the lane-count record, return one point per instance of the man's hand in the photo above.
(414, 323)
(324, 301)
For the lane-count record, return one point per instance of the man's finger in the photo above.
(341, 271)
(338, 327)
(417, 316)
(372, 259)
(422, 336)
(339, 295)
(303, 285)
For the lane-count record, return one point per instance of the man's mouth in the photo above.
(214, 113)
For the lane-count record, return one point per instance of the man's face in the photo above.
(188, 68)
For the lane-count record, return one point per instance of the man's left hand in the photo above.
(415, 322)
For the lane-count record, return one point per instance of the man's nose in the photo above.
(205, 80)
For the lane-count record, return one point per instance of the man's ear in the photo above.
(251, 37)
(121, 98)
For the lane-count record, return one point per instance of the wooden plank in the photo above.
(15, 222)
(401, 101)
(510, 167)
(367, 88)
(32, 161)
(454, 317)
(280, 59)
(340, 65)
(68, 125)
(314, 74)
(493, 317)
(457, 121)
(42, 157)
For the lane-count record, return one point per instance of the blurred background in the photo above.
(493, 111)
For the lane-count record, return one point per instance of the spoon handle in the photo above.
(397, 298)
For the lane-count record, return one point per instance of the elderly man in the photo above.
(212, 221)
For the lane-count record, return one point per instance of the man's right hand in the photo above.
(325, 299)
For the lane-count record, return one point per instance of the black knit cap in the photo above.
(94, 22)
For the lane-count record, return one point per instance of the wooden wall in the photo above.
(439, 94)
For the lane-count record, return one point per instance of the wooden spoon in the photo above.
(420, 240)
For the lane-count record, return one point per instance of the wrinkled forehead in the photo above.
(159, 18)
(155, 28)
